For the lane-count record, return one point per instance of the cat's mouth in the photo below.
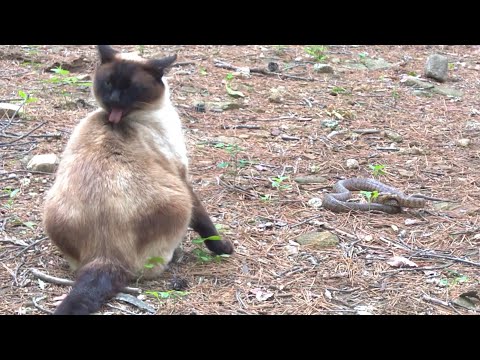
(115, 115)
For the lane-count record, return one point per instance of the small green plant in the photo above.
(377, 169)
(204, 256)
(141, 49)
(234, 93)
(233, 150)
(167, 294)
(317, 51)
(202, 71)
(11, 195)
(363, 55)
(370, 195)
(223, 164)
(395, 94)
(277, 182)
(266, 197)
(27, 99)
(338, 90)
(412, 73)
(63, 78)
(453, 278)
(451, 66)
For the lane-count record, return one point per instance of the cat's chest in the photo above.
(168, 140)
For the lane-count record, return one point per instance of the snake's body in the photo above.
(390, 200)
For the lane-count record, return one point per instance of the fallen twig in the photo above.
(60, 281)
(435, 301)
(228, 66)
(448, 257)
(24, 135)
(246, 126)
(427, 268)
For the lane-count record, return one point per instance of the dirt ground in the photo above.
(246, 154)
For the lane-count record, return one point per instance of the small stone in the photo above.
(25, 182)
(275, 132)
(44, 163)
(199, 106)
(329, 123)
(463, 142)
(12, 176)
(318, 240)
(289, 169)
(276, 95)
(272, 66)
(394, 136)
(406, 173)
(437, 67)
(472, 125)
(323, 68)
(315, 203)
(26, 159)
(8, 110)
(291, 249)
(352, 164)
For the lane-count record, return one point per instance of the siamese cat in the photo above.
(122, 194)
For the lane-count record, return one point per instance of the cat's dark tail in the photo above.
(97, 282)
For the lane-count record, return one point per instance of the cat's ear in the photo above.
(106, 53)
(158, 66)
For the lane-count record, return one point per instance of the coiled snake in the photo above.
(390, 200)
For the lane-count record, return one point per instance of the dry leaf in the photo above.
(412, 222)
(328, 294)
(400, 261)
(261, 295)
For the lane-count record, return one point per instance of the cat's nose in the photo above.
(115, 97)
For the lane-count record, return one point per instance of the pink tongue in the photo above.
(115, 116)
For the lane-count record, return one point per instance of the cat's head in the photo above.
(125, 82)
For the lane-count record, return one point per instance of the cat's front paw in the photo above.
(220, 247)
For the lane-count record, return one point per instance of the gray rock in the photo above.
(424, 85)
(394, 136)
(8, 110)
(417, 83)
(376, 64)
(443, 90)
(323, 68)
(437, 67)
(318, 240)
(44, 163)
